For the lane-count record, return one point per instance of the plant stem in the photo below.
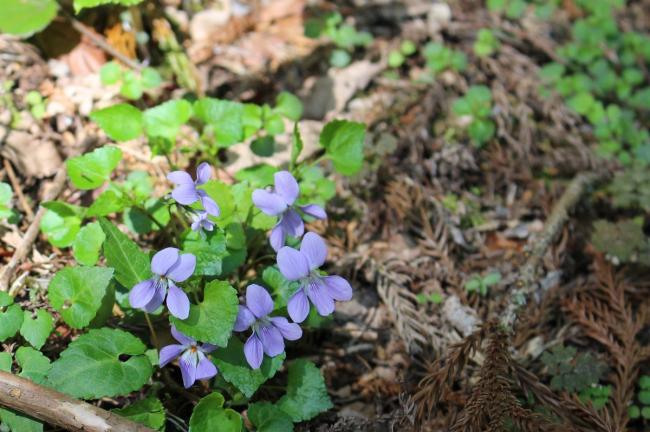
(154, 337)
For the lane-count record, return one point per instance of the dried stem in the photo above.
(59, 409)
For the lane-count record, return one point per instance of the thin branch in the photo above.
(527, 282)
(101, 43)
(59, 409)
(19, 191)
(32, 232)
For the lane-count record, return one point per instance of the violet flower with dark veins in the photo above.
(280, 202)
(200, 221)
(194, 363)
(186, 191)
(302, 266)
(168, 266)
(268, 332)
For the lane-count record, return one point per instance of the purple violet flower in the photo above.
(280, 202)
(186, 193)
(195, 365)
(200, 221)
(302, 266)
(168, 267)
(268, 332)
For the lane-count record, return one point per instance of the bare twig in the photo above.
(32, 232)
(59, 409)
(526, 284)
(101, 43)
(19, 192)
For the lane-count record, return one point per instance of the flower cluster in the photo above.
(299, 266)
(186, 193)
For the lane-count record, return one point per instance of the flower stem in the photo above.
(154, 337)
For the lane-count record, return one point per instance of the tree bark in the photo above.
(59, 409)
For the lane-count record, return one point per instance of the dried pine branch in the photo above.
(605, 314)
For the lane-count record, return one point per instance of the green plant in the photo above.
(439, 58)
(609, 91)
(481, 284)
(597, 395)
(486, 43)
(36, 104)
(476, 105)
(630, 188)
(642, 408)
(574, 373)
(514, 9)
(344, 36)
(435, 298)
(396, 58)
(132, 84)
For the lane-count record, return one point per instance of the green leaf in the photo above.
(210, 416)
(209, 251)
(149, 412)
(26, 17)
(263, 146)
(121, 122)
(92, 169)
(90, 368)
(306, 392)
(340, 58)
(140, 220)
(481, 131)
(88, 243)
(16, 422)
(5, 361)
(235, 369)
(257, 175)
(644, 382)
(281, 288)
(77, 293)
(33, 364)
(644, 397)
(81, 4)
(225, 117)
(131, 87)
(61, 222)
(343, 142)
(5, 200)
(5, 299)
(110, 201)
(150, 78)
(213, 319)
(395, 59)
(36, 329)
(166, 119)
(110, 73)
(296, 145)
(123, 254)
(289, 106)
(492, 279)
(10, 321)
(267, 417)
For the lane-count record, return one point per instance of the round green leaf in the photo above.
(91, 170)
(121, 122)
(289, 106)
(149, 412)
(213, 319)
(343, 142)
(26, 17)
(88, 243)
(36, 329)
(91, 367)
(234, 368)
(77, 293)
(150, 78)
(10, 321)
(306, 392)
(209, 416)
(110, 73)
(61, 222)
(33, 364)
(166, 119)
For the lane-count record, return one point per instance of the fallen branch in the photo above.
(59, 409)
(32, 232)
(527, 282)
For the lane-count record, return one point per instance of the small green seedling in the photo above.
(597, 395)
(642, 408)
(439, 58)
(345, 36)
(480, 284)
(36, 104)
(435, 298)
(132, 84)
(5, 201)
(477, 104)
(486, 43)
(397, 58)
